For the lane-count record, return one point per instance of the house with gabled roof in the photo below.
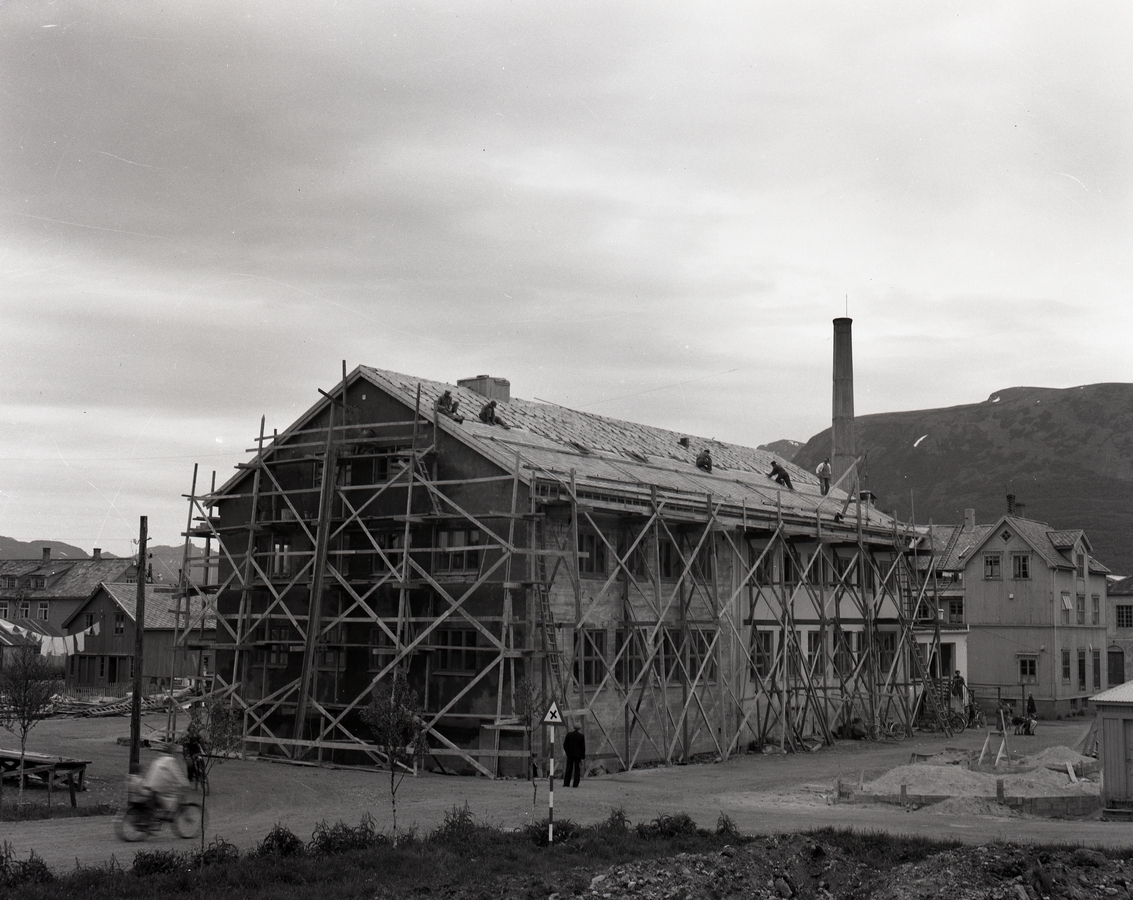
(1034, 599)
(49, 590)
(176, 646)
(505, 557)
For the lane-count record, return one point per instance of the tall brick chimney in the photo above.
(46, 554)
(97, 555)
(843, 449)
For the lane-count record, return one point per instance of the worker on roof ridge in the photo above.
(781, 475)
(704, 460)
(823, 473)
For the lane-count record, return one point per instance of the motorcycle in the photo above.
(145, 814)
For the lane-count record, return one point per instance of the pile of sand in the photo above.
(1045, 777)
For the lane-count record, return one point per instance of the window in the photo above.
(131, 578)
(1020, 566)
(382, 650)
(991, 566)
(1124, 615)
(1081, 609)
(592, 554)
(1097, 670)
(590, 656)
(88, 620)
(815, 652)
(388, 465)
(790, 568)
(762, 653)
(844, 657)
(1066, 667)
(281, 558)
(4, 609)
(456, 650)
(636, 564)
(1028, 670)
(102, 667)
(9, 581)
(956, 611)
(630, 656)
(1095, 609)
(1067, 606)
(1080, 564)
(330, 660)
(669, 558)
(701, 653)
(671, 655)
(278, 649)
(119, 623)
(456, 550)
(37, 582)
(25, 609)
(43, 610)
(886, 650)
(1081, 670)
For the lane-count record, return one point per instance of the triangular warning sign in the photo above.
(553, 717)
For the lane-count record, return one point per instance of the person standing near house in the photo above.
(958, 687)
(823, 473)
(1032, 710)
(574, 744)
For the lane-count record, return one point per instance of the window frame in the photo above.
(993, 565)
(1080, 610)
(701, 646)
(1028, 669)
(1081, 669)
(458, 550)
(1021, 565)
(43, 610)
(1097, 661)
(452, 656)
(629, 656)
(590, 656)
(762, 653)
(25, 609)
(1066, 670)
(591, 554)
(1123, 615)
(1095, 609)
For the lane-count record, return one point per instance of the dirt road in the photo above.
(762, 794)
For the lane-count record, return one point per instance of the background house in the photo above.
(1034, 598)
(107, 658)
(50, 590)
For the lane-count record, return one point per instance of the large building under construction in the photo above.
(673, 610)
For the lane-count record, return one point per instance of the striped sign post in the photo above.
(551, 719)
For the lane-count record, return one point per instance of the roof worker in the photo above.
(446, 406)
(704, 460)
(823, 473)
(781, 475)
(488, 414)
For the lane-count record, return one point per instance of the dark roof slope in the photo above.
(161, 605)
(65, 579)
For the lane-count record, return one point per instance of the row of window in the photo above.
(33, 583)
(22, 609)
(458, 550)
(674, 661)
(848, 649)
(1029, 669)
(1078, 609)
(1020, 565)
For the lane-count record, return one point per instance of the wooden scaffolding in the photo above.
(677, 625)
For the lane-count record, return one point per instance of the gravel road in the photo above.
(763, 794)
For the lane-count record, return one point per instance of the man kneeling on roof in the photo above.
(448, 407)
(781, 475)
(704, 460)
(488, 415)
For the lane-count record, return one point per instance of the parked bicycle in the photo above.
(889, 730)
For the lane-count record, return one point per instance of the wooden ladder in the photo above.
(555, 661)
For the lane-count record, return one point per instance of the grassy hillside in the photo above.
(1065, 453)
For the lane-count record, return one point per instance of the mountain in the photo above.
(784, 449)
(1067, 454)
(10, 548)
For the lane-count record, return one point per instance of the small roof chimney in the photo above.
(97, 555)
(498, 389)
(1020, 510)
(46, 554)
(969, 520)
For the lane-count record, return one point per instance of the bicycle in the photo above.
(889, 730)
(145, 815)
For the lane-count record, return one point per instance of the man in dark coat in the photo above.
(781, 475)
(574, 744)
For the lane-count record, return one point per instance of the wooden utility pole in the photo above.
(139, 642)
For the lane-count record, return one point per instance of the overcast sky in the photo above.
(651, 211)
